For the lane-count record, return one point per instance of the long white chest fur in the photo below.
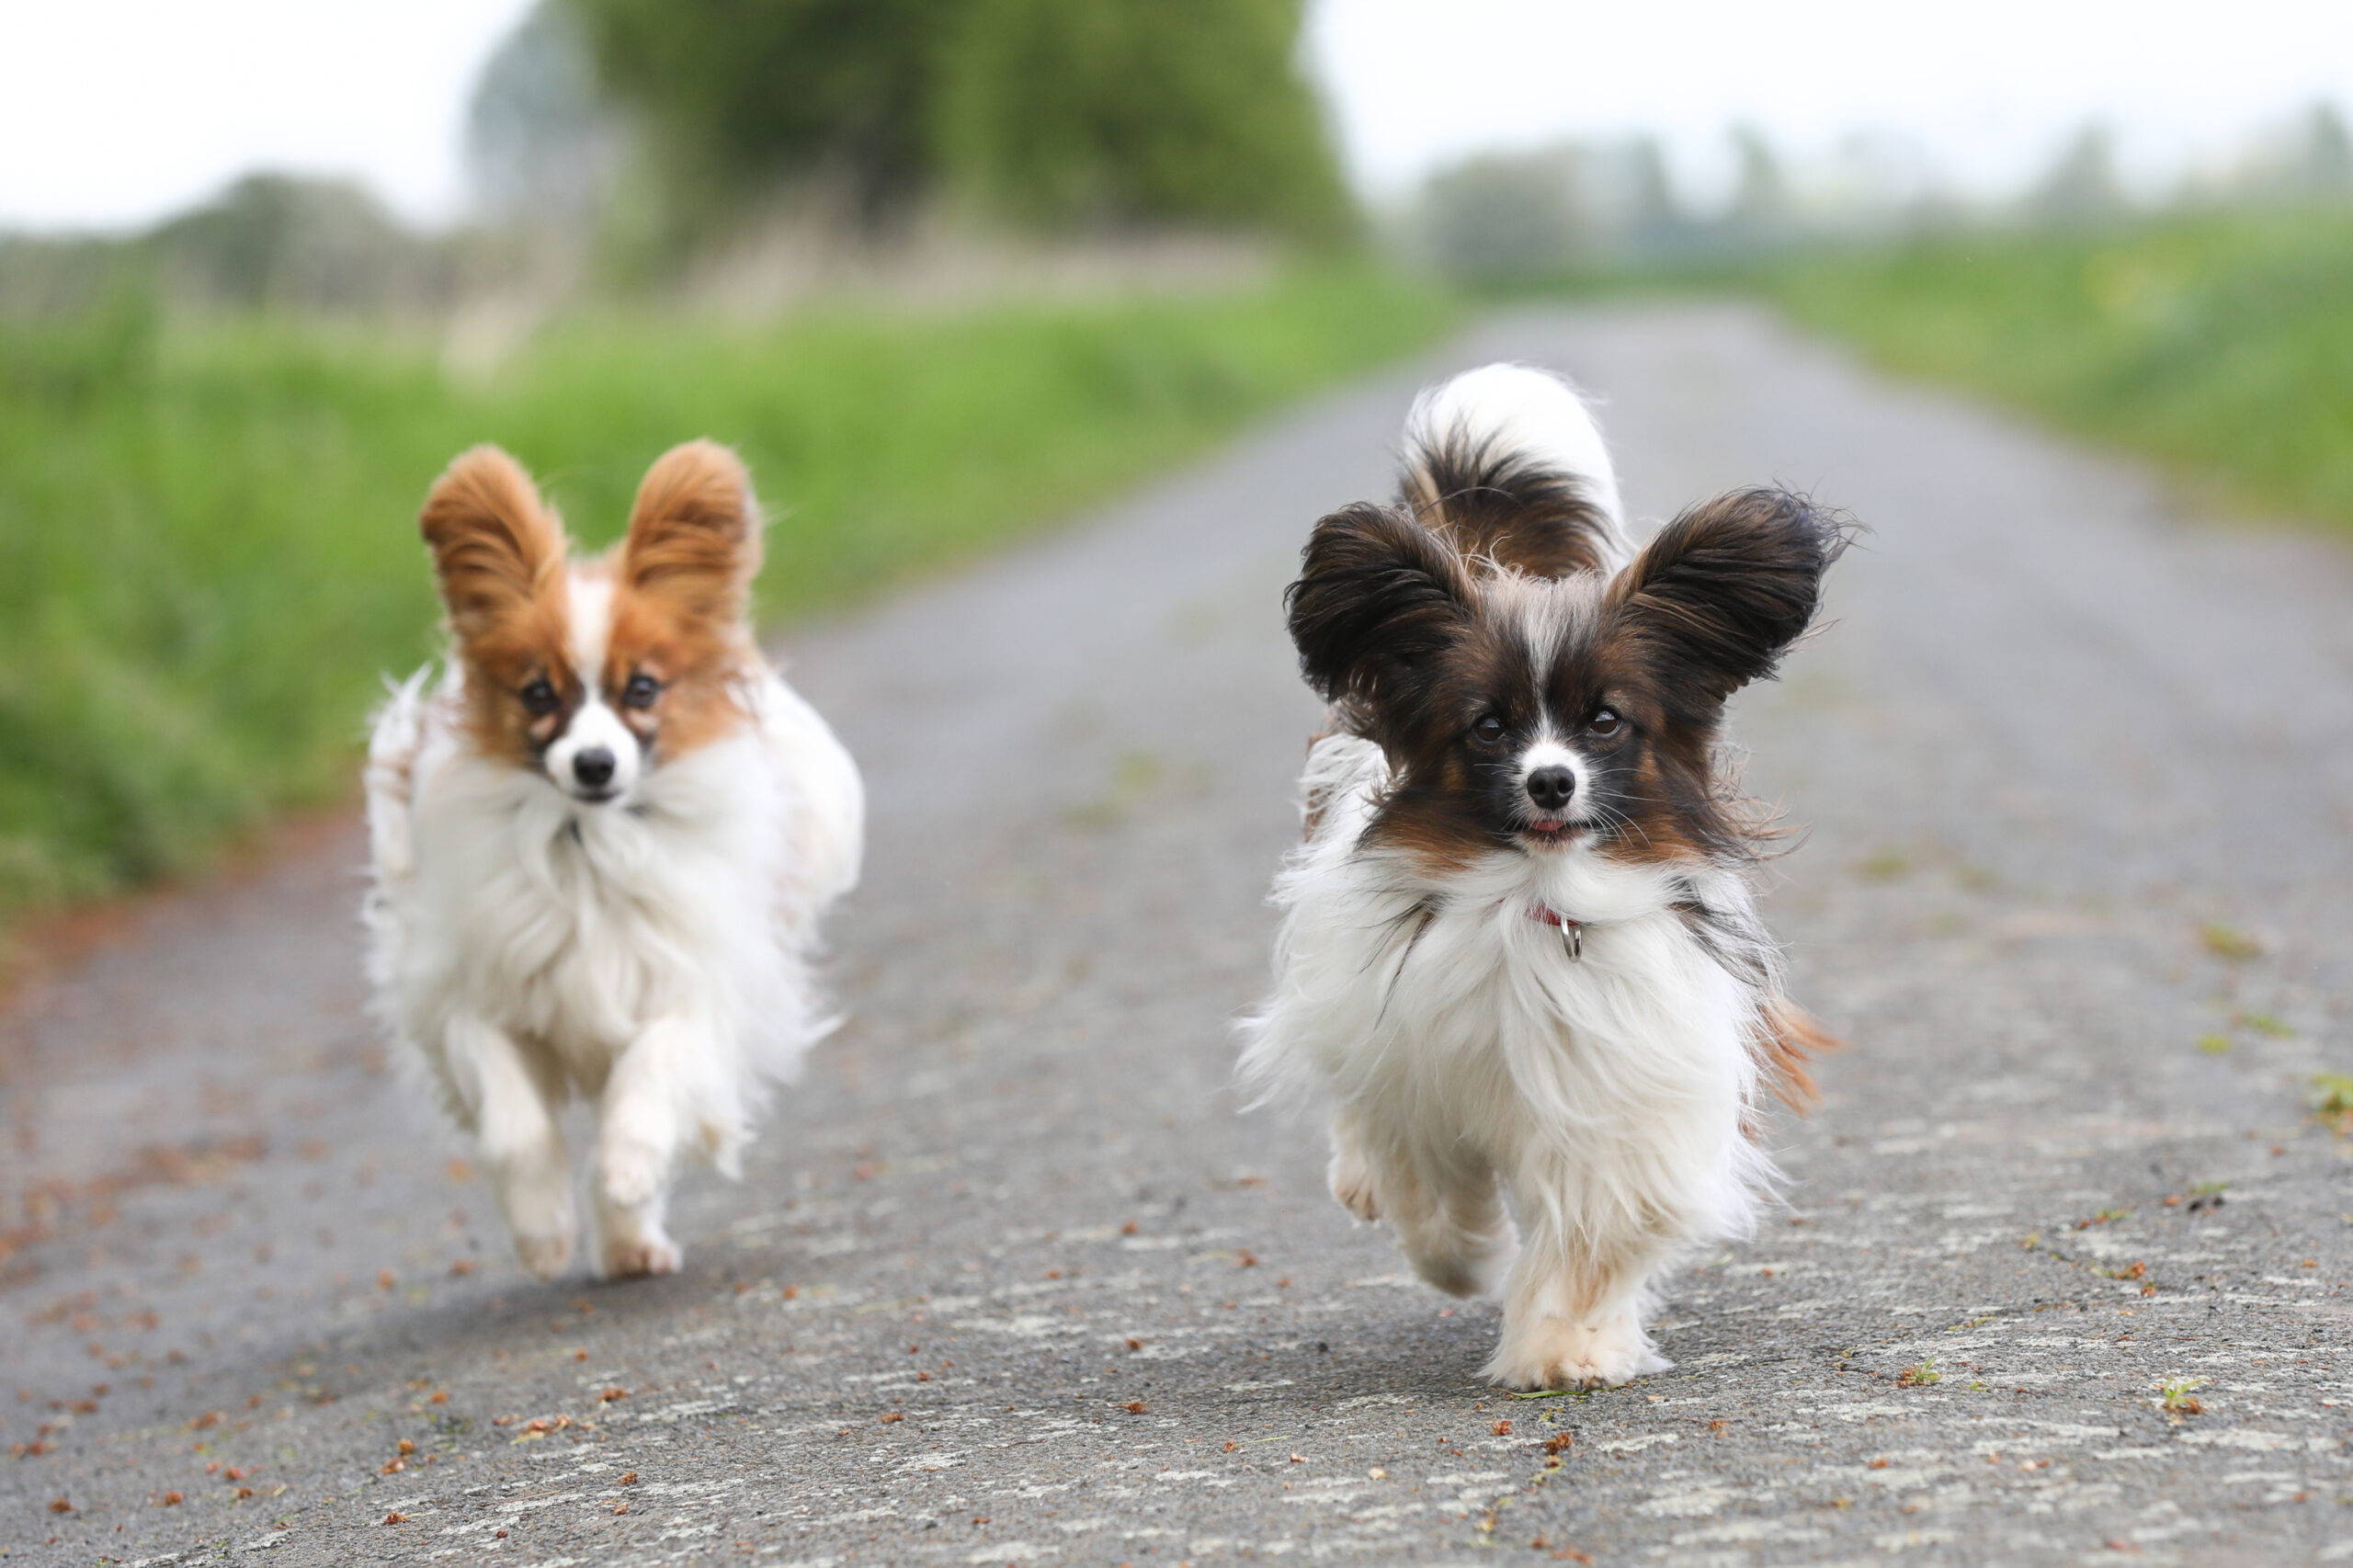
(573, 927)
(1606, 1086)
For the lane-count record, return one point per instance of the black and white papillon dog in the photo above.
(1519, 960)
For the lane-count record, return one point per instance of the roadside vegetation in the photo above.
(943, 269)
(700, 219)
(2220, 343)
(208, 553)
(2209, 326)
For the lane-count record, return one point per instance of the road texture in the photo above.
(1011, 1281)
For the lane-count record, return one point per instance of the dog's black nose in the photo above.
(1551, 788)
(594, 767)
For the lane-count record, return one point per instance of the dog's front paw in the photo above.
(632, 1181)
(1351, 1180)
(545, 1255)
(1563, 1353)
(634, 1258)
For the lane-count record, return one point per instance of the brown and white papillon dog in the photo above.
(1519, 958)
(602, 840)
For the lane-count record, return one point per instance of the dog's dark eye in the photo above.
(1604, 723)
(1488, 730)
(640, 692)
(539, 698)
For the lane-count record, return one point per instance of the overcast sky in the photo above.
(1989, 88)
(113, 112)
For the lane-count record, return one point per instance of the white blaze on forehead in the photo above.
(1552, 614)
(594, 725)
(591, 612)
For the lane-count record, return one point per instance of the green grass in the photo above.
(2220, 345)
(207, 552)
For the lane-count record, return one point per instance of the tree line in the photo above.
(1051, 114)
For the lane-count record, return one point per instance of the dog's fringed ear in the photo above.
(497, 551)
(1378, 596)
(694, 535)
(1723, 590)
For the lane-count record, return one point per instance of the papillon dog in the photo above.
(1518, 959)
(602, 839)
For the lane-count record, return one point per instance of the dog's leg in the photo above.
(520, 1142)
(1448, 1216)
(1350, 1174)
(1573, 1310)
(641, 1124)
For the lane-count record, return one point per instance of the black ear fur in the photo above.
(1723, 590)
(1378, 596)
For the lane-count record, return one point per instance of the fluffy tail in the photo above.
(1506, 462)
(395, 736)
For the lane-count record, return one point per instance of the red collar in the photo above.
(1572, 931)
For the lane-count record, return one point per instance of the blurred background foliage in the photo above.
(207, 552)
(943, 270)
(1081, 113)
(1045, 114)
(2218, 344)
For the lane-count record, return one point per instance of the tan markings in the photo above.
(1785, 1042)
(498, 556)
(683, 587)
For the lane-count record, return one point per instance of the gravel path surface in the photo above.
(1010, 1281)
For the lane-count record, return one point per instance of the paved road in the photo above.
(1010, 1281)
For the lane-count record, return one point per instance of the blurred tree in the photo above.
(1519, 217)
(1761, 206)
(540, 144)
(2323, 164)
(285, 241)
(1503, 217)
(2082, 186)
(2304, 160)
(737, 95)
(1077, 112)
(1049, 112)
(1626, 192)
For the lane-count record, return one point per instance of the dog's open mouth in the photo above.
(1551, 834)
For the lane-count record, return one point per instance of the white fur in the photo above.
(1533, 412)
(1468, 1057)
(1549, 753)
(650, 953)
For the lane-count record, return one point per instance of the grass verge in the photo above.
(2220, 345)
(208, 553)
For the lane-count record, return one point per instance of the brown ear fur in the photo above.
(1721, 592)
(694, 537)
(497, 553)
